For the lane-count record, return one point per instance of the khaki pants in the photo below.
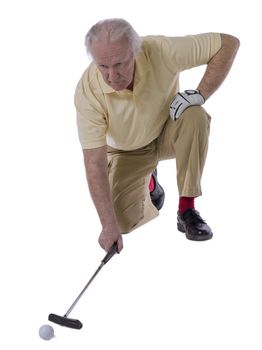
(186, 140)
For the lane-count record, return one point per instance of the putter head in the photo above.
(65, 321)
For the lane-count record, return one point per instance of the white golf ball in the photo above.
(46, 332)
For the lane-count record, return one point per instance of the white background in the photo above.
(162, 291)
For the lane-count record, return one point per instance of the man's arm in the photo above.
(216, 72)
(219, 66)
(97, 178)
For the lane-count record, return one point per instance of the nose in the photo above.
(113, 74)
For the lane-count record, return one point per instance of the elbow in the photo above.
(236, 42)
(95, 157)
(230, 42)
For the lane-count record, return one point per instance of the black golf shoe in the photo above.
(158, 194)
(195, 228)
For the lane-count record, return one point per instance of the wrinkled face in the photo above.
(115, 61)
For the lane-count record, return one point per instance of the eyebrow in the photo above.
(119, 62)
(105, 65)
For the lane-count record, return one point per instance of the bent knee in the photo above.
(129, 217)
(196, 115)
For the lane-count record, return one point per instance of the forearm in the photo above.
(219, 66)
(97, 178)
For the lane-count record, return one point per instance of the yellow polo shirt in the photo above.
(126, 119)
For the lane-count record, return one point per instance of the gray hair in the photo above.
(113, 29)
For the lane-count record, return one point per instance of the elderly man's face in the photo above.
(116, 62)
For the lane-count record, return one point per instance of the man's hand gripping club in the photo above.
(109, 236)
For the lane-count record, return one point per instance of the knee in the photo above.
(197, 116)
(128, 217)
(125, 227)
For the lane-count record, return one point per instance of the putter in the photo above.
(73, 323)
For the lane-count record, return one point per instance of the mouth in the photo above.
(118, 85)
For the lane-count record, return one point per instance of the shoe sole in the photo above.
(193, 237)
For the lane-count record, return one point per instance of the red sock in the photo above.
(151, 184)
(186, 203)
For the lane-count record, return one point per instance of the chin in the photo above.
(119, 87)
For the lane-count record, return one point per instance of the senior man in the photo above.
(131, 115)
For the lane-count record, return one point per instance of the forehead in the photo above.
(104, 51)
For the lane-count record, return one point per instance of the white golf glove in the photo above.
(183, 100)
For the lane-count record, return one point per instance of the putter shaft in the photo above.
(83, 291)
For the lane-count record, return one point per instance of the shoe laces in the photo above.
(193, 217)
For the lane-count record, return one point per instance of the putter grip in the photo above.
(110, 253)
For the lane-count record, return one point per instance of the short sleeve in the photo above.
(181, 53)
(91, 118)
